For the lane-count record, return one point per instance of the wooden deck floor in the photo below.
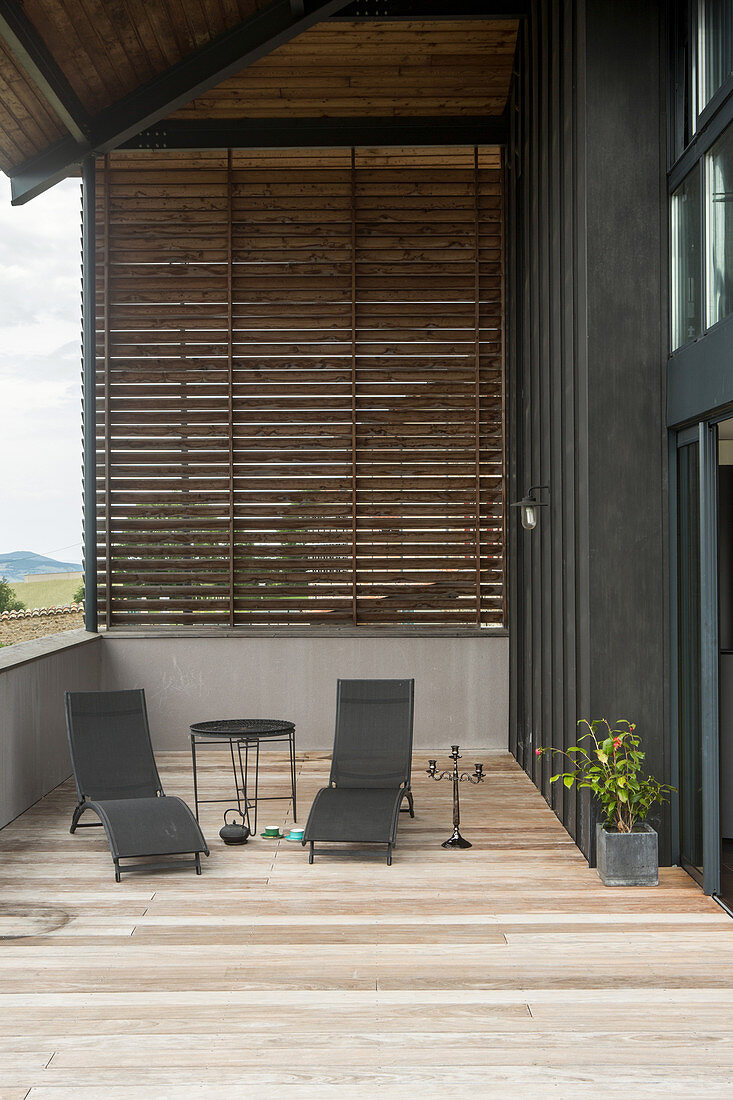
(503, 971)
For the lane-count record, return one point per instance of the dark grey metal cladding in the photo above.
(627, 349)
(709, 657)
(586, 348)
(545, 266)
(700, 375)
(725, 537)
(628, 859)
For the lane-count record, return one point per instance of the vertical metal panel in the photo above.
(581, 440)
(709, 654)
(572, 596)
(512, 188)
(535, 425)
(564, 496)
(107, 407)
(541, 349)
(230, 380)
(477, 372)
(504, 480)
(525, 409)
(89, 380)
(556, 385)
(674, 652)
(626, 348)
(354, 578)
(548, 367)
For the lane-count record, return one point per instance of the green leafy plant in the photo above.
(610, 766)
(8, 601)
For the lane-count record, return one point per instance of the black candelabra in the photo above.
(456, 840)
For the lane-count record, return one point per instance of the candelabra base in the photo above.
(456, 841)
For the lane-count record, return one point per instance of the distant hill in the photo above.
(15, 566)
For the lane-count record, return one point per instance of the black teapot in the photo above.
(232, 832)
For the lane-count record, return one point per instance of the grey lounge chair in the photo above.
(116, 777)
(370, 768)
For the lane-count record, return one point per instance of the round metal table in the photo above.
(243, 733)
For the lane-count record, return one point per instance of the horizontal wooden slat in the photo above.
(229, 423)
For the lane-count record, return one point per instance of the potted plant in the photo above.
(610, 766)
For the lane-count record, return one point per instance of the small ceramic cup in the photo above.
(296, 832)
(272, 831)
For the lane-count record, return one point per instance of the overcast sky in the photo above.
(40, 373)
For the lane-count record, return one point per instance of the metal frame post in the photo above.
(709, 654)
(89, 392)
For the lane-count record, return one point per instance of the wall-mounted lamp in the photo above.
(529, 505)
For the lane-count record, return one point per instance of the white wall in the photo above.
(461, 683)
(34, 754)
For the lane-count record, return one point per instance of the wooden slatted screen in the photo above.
(300, 387)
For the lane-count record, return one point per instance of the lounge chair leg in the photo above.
(198, 864)
(310, 854)
(389, 855)
(410, 803)
(118, 877)
(78, 811)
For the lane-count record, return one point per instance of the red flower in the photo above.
(538, 752)
(616, 743)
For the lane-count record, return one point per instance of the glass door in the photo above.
(725, 640)
(697, 654)
(688, 656)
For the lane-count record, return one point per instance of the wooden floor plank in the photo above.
(506, 970)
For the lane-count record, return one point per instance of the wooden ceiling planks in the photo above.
(105, 50)
(27, 122)
(340, 69)
(379, 68)
(300, 387)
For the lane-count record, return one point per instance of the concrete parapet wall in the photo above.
(461, 683)
(34, 756)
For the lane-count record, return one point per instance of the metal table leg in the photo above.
(291, 741)
(257, 777)
(253, 827)
(236, 780)
(242, 772)
(195, 779)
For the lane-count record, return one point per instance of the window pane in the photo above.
(715, 50)
(720, 228)
(686, 271)
(683, 87)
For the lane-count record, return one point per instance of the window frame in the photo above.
(707, 126)
(701, 260)
(720, 94)
(684, 96)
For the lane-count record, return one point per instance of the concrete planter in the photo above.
(627, 859)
